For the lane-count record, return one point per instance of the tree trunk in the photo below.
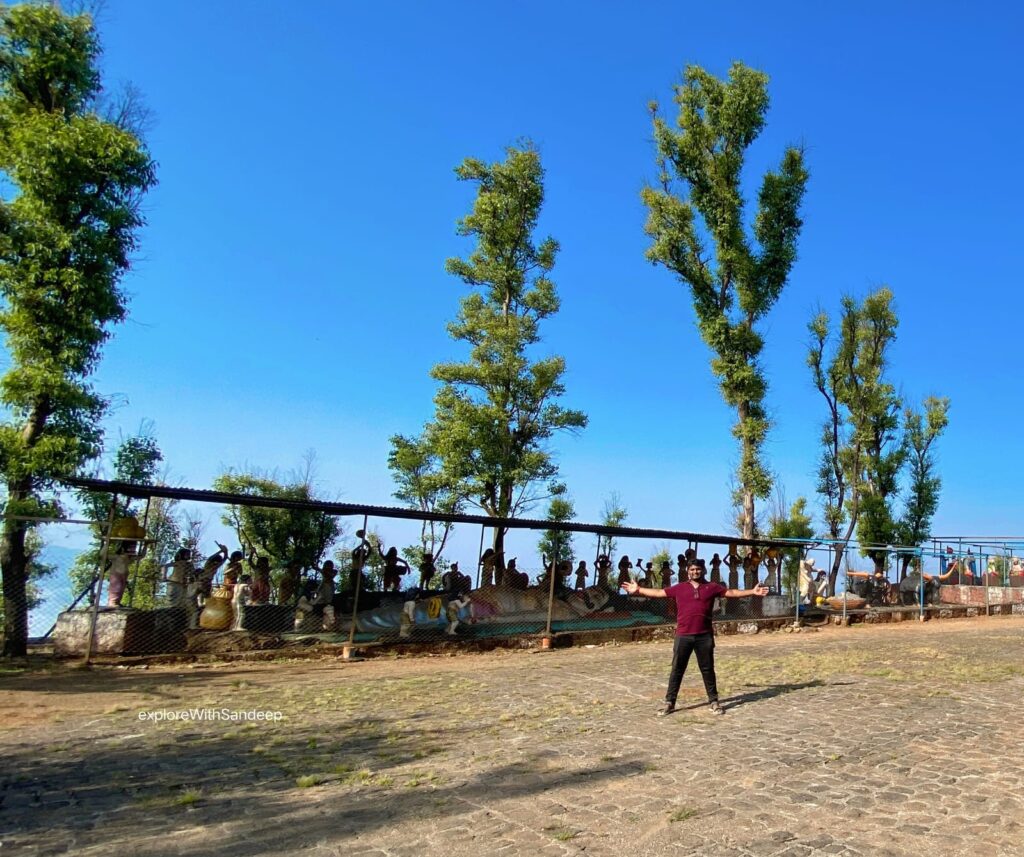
(499, 556)
(747, 455)
(837, 562)
(748, 514)
(15, 605)
(13, 560)
(504, 508)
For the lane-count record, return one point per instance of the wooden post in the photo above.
(546, 641)
(138, 559)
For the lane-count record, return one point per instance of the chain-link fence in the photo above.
(121, 599)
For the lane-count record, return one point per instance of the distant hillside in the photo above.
(56, 589)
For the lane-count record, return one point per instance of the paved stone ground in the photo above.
(892, 740)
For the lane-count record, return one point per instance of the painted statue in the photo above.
(488, 605)
(322, 602)
(751, 562)
(117, 573)
(716, 569)
(239, 600)
(180, 570)
(732, 562)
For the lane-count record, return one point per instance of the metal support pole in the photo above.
(920, 587)
(138, 559)
(480, 555)
(846, 581)
(359, 579)
(983, 564)
(99, 580)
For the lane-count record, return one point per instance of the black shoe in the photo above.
(716, 708)
(667, 708)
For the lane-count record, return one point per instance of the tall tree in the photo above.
(496, 411)
(68, 226)
(734, 286)
(423, 484)
(877, 422)
(861, 451)
(839, 465)
(921, 431)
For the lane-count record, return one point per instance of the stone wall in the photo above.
(121, 631)
(979, 596)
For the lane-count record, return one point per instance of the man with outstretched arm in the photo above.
(695, 600)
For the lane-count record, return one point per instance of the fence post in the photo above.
(846, 583)
(796, 588)
(545, 643)
(983, 564)
(346, 651)
(99, 580)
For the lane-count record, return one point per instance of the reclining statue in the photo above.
(488, 605)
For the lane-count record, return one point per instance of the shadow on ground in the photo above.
(127, 788)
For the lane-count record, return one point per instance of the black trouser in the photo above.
(704, 646)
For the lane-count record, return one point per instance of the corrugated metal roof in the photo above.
(224, 498)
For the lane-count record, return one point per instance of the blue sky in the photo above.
(290, 292)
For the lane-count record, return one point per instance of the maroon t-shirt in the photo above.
(694, 605)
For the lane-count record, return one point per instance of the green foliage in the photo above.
(862, 454)
(67, 231)
(554, 543)
(423, 484)
(797, 524)
(495, 411)
(875, 411)
(718, 120)
(37, 570)
(920, 433)
(613, 514)
(137, 461)
(840, 451)
(291, 538)
(1002, 566)
(864, 448)
(373, 568)
(662, 555)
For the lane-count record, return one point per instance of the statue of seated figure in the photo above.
(322, 602)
